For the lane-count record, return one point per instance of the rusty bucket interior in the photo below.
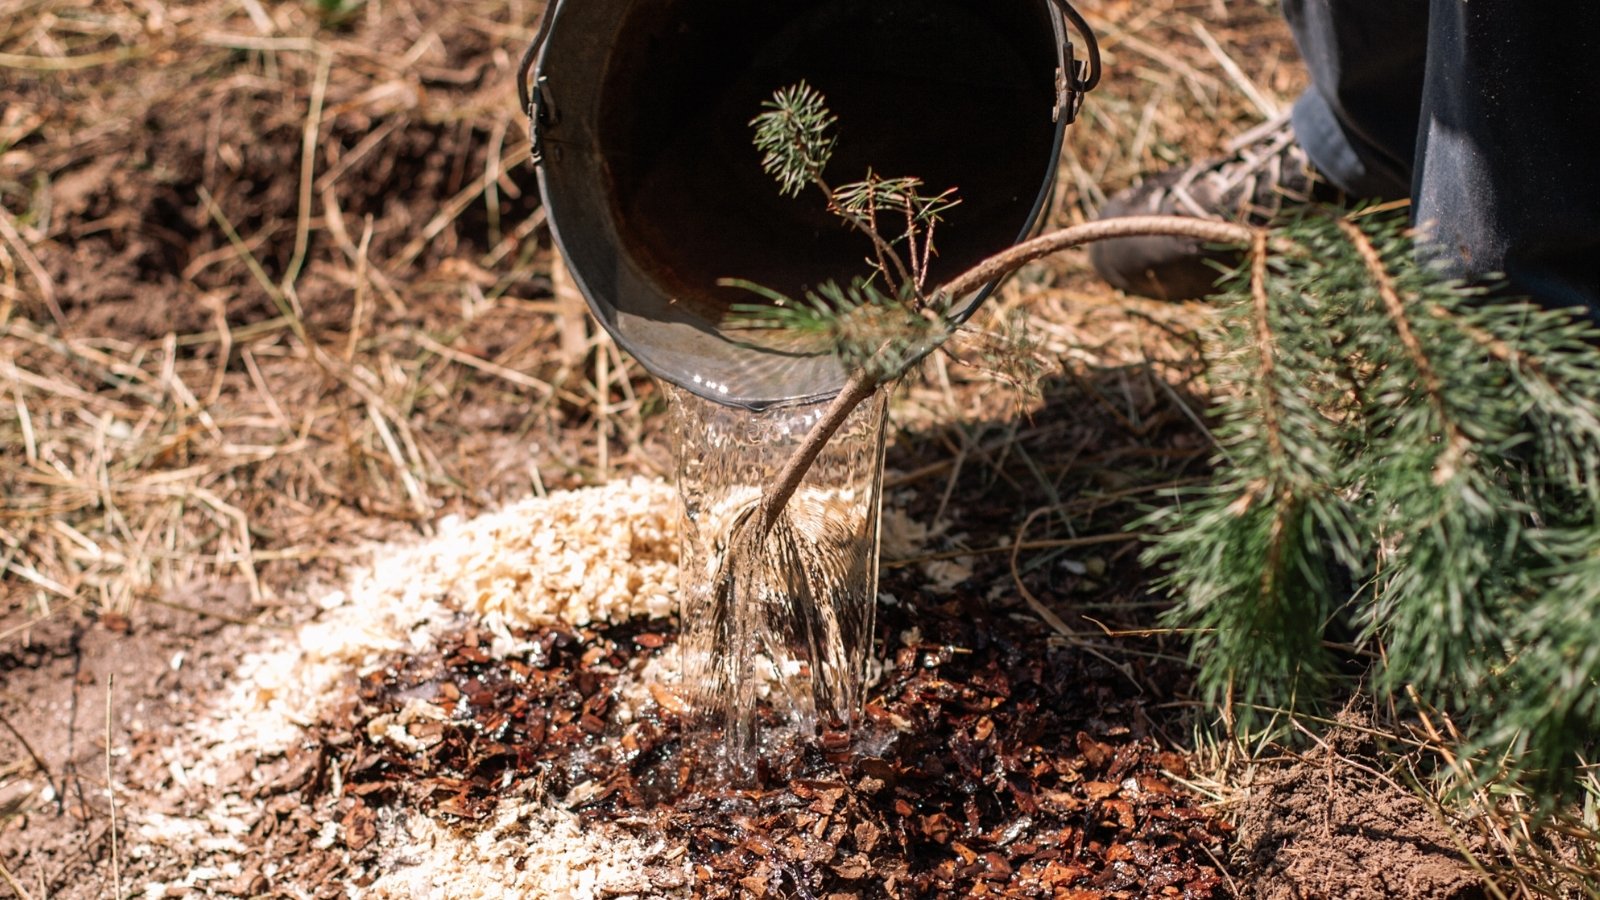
(656, 194)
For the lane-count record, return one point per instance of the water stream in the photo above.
(791, 622)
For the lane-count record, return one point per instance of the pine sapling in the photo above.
(1406, 462)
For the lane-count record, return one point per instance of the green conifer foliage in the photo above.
(1411, 459)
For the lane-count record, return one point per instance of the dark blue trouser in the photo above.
(1485, 112)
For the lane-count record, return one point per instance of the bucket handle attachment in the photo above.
(1085, 74)
(533, 98)
(535, 101)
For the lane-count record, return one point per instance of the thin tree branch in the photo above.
(34, 755)
(1455, 442)
(1008, 261)
(868, 228)
(862, 383)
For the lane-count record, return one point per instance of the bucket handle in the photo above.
(1083, 78)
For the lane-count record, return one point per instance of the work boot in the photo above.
(1264, 173)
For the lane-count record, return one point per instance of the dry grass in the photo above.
(350, 397)
(224, 359)
(352, 403)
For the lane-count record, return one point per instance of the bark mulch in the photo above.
(994, 761)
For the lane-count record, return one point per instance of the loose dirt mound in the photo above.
(1331, 825)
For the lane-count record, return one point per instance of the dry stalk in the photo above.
(1048, 615)
(1078, 543)
(111, 797)
(11, 882)
(32, 754)
(455, 207)
(70, 63)
(41, 278)
(308, 169)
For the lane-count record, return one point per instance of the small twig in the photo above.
(308, 171)
(359, 306)
(1233, 887)
(16, 887)
(34, 755)
(41, 278)
(867, 228)
(1047, 614)
(1142, 632)
(1096, 540)
(70, 63)
(543, 388)
(452, 210)
(71, 765)
(111, 795)
(419, 499)
(1267, 106)
(276, 295)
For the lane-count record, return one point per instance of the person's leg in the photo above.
(1508, 179)
(1353, 134)
(1358, 119)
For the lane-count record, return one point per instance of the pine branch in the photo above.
(1455, 441)
(1435, 450)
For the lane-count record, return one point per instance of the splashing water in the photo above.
(788, 620)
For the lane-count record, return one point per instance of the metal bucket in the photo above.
(640, 116)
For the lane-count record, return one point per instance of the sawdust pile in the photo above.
(530, 851)
(603, 554)
(599, 555)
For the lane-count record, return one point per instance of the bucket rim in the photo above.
(1074, 78)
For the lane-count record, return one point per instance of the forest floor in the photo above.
(299, 424)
